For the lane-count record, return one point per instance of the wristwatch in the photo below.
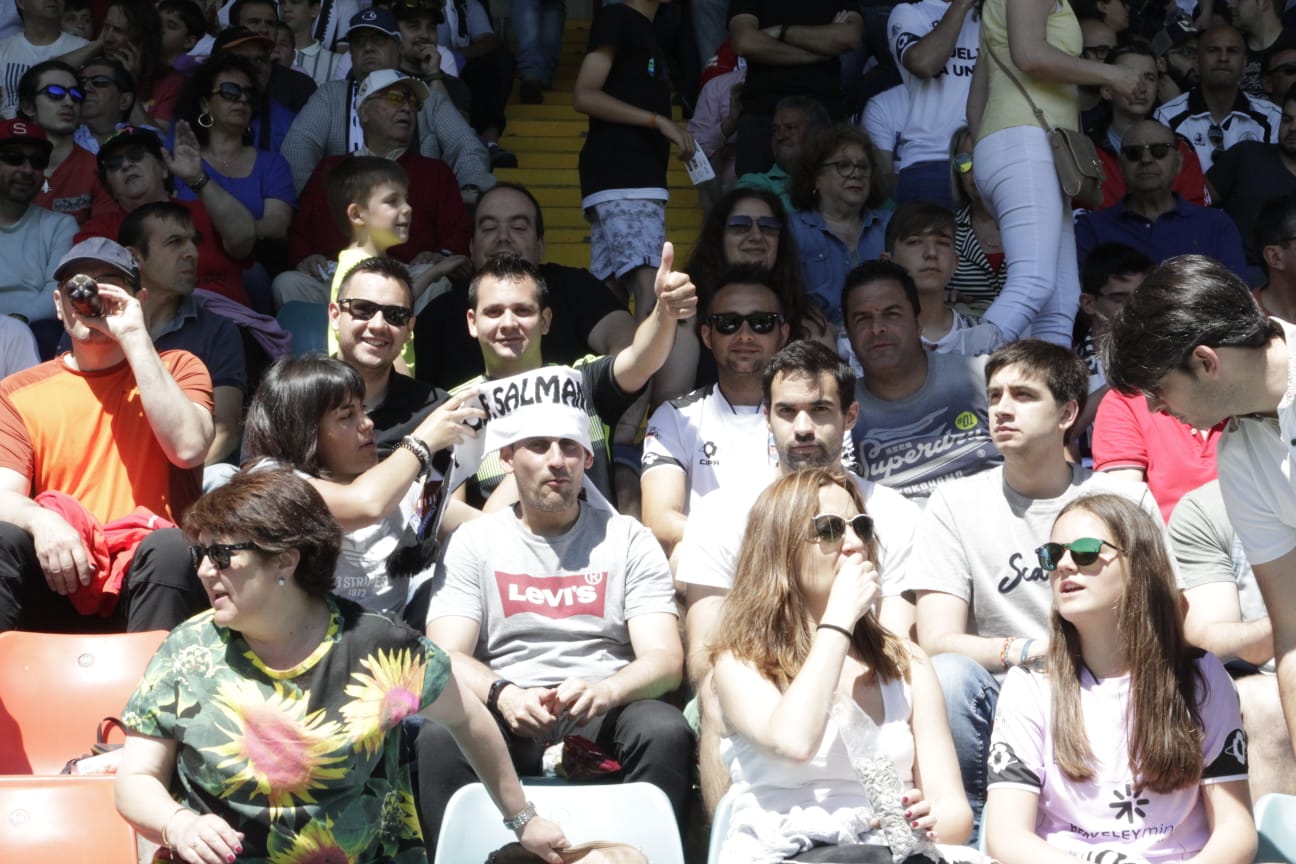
(492, 696)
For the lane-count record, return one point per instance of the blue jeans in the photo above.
(1014, 170)
(971, 694)
(710, 26)
(925, 181)
(538, 28)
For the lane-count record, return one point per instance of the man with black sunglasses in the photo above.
(1153, 218)
(51, 95)
(983, 599)
(373, 318)
(34, 238)
(716, 436)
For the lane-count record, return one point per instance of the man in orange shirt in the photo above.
(113, 426)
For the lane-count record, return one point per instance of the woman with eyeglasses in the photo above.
(268, 727)
(817, 699)
(219, 103)
(308, 414)
(837, 224)
(981, 270)
(1127, 745)
(750, 226)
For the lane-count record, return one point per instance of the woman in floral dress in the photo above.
(266, 728)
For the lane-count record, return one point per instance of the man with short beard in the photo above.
(1217, 114)
(34, 238)
(560, 616)
(1252, 172)
(423, 58)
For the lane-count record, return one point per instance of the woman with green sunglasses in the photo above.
(1128, 744)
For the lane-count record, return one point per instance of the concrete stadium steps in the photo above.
(547, 140)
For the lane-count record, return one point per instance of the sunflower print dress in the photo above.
(306, 761)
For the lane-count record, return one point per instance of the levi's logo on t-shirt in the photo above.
(552, 596)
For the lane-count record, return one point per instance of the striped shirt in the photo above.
(1251, 119)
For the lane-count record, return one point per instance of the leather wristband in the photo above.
(492, 696)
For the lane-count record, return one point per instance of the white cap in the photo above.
(381, 79)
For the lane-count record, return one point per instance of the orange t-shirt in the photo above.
(86, 434)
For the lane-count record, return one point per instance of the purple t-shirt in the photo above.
(1109, 812)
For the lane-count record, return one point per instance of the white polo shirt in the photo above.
(713, 442)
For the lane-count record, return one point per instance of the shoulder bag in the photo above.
(1079, 171)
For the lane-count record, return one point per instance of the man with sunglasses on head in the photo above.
(1153, 218)
(983, 598)
(716, 436)
(51, 95)
(95, 447)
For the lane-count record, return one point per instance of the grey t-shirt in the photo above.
(977, 541)
(940, 432)
(1208, 550)
(552, 608)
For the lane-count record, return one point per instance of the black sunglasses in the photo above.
(743, 224)
(99, 82)
(397, 316)
(1083, 552)
(57, 92)
(832, 529)
(232, 92)
(1134, 152)
(728, 323)
(117, 161)
(16, 158)
(219, 553)
(1215, 134)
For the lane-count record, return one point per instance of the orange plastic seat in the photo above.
(63, 819)
(55, 688)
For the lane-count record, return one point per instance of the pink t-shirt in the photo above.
(1175, 457)
(1109, 812)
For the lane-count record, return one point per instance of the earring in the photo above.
(282, 581)
(205, 120)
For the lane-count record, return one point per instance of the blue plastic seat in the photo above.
(636, 813)
(1275, 818)
(308, 324)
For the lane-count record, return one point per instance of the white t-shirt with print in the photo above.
(17, 55)
(937, 105)
(1109, 818)
(716, 444)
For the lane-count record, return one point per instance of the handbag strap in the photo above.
(1039, 115)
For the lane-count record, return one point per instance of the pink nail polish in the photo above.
(230, 859)
(913, 824)
(905, 800)
(908, 814)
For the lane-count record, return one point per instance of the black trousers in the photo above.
(651, 740)
(161, 588)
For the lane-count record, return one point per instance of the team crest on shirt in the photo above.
(709, 449)
(1005, 767)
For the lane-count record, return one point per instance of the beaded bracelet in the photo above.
(420, 451)
(1003, 652)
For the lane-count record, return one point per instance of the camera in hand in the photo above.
(83, 294)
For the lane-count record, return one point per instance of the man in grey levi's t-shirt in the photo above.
(560, 616)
